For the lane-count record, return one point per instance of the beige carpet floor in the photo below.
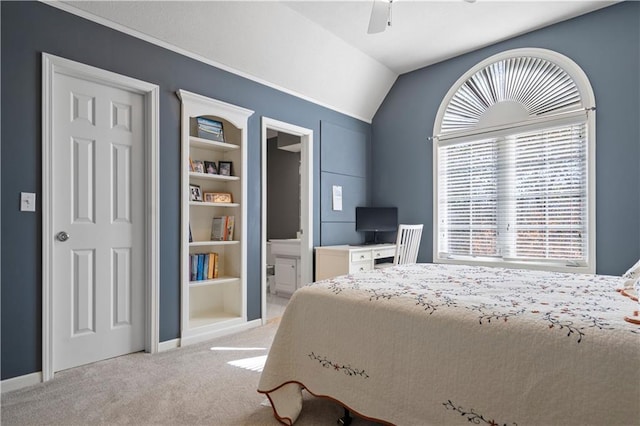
(194, 385)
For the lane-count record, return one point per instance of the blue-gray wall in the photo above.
(29, 28)
(344, 162)
(606, 45)
(283, 191)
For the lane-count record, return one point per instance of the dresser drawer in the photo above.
(385, 252)
(360, 266)
(359, 256)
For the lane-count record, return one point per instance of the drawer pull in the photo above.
(361, 257)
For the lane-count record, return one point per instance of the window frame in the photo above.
(587, 110)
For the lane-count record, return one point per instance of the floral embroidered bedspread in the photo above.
(450, 344)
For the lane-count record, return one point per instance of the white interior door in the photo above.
(98, 218)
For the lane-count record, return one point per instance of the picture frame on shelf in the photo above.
(218, 197)
(225, 168)
(198, 166)
(210, 129)
(195, 193)
(210, 167)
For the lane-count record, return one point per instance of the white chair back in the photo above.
(407, 244)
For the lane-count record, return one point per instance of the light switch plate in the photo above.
(27, 202)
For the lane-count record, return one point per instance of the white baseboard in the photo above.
(219, 333)
(20, 382)
(168, 344)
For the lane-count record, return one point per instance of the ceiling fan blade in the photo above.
(379, 16)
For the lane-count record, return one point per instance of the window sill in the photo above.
(538, 266)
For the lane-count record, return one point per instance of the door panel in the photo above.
(98, 178)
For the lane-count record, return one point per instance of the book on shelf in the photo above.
(212, 260)
(203, 266)
(193, 272)
(222, 228)
(230, 222)
(210, 129)
(200, 267)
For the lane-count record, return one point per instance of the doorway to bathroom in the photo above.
(287, 213)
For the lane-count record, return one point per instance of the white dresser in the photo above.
(332, 261)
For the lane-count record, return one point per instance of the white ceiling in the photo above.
(320, 50)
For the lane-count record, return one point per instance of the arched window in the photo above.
(514, 175)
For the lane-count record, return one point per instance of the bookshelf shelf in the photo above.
(206, 320)
(207, 176)
(203, 204)
(215, 281)
(196, 142)
(215, 306)
(212, 243)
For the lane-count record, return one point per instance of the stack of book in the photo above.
(210, 129)
(222, 228)
(203, 266)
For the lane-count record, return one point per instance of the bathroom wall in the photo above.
(283, 191)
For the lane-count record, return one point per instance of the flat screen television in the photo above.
(376, 219)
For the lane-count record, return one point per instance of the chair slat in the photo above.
(407, 244)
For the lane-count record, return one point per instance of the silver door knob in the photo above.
(62, 236)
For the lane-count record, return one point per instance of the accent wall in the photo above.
(606, 45)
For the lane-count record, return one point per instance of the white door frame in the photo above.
(306, 202)
(50, 66)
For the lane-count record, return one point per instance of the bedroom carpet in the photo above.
(194, 385)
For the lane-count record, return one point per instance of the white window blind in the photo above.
(551, 195)
(469, 185)
(521, 197)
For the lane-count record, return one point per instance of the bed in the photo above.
(451, 344)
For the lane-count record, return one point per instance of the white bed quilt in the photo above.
(449, 344)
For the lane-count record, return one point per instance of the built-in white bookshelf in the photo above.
(212, 305)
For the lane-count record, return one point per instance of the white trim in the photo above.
(306, 200)
(531, 125)
(152, 209)
(150, 39)
(588, 103)
(197, 338)
(54, 64)
(168, 345)
(20, 382)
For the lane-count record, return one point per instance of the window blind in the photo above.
(522, 197)
(468, 203)
(550, 190)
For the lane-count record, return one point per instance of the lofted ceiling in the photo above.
(320, 50)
